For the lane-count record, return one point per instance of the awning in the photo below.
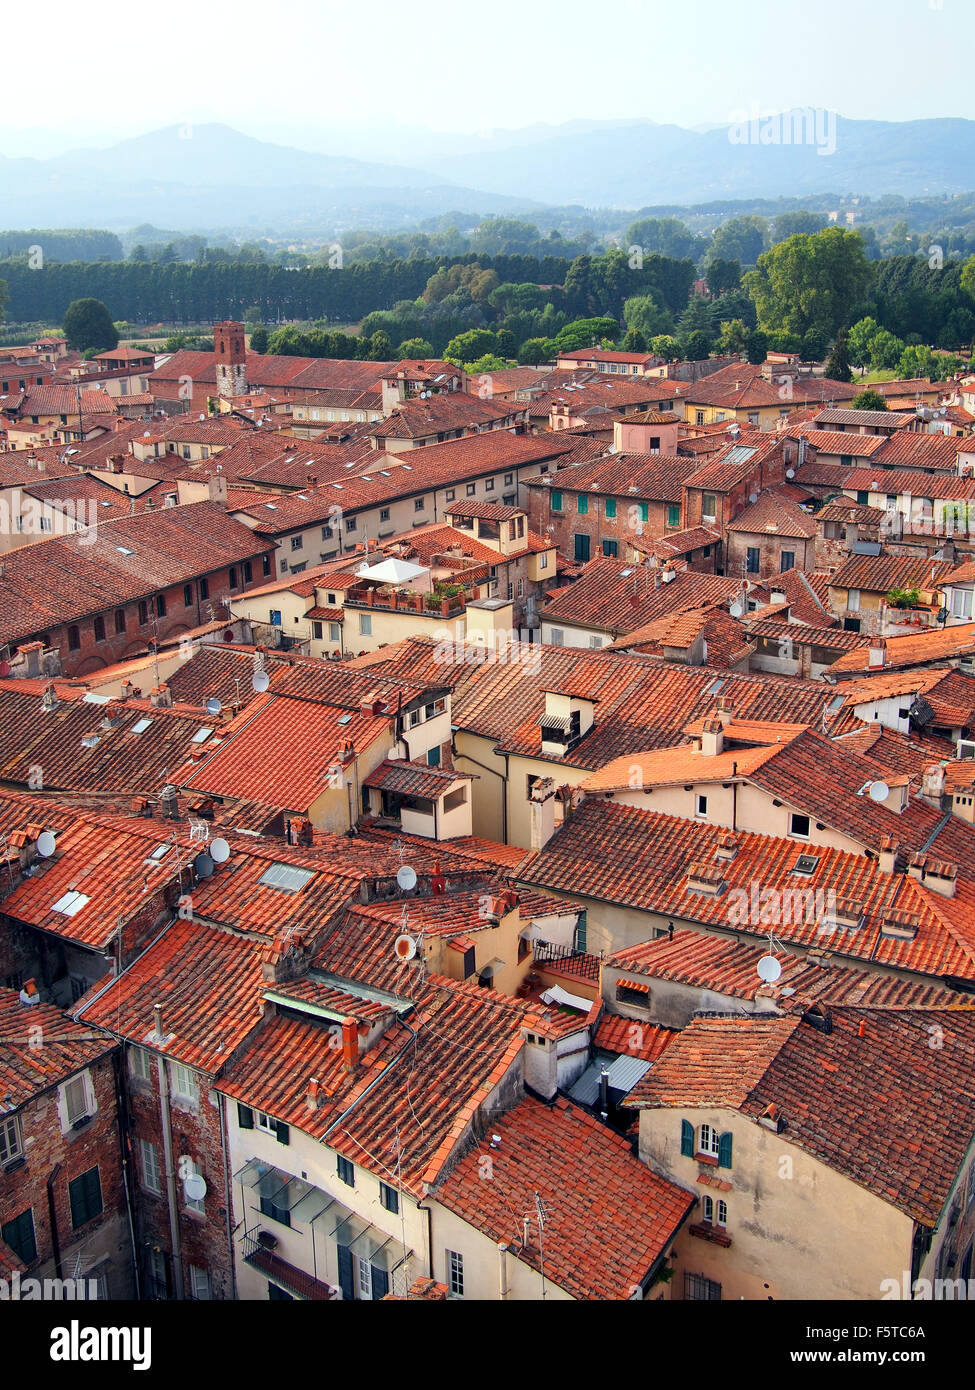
(558, 995)
(638, 985)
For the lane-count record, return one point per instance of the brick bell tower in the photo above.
(231, 355)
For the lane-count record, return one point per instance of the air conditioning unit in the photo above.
(965, 748)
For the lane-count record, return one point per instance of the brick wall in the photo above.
(770, 548)
(103, 1243)
(594, 523)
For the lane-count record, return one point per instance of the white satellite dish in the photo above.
(404, 947)
(406, 877)
(879, 791)
(769, 969)
(213, 706)
(790, 472)
(195, 1187)
(261, 681)
(46, 844)
(219, 851)
(736, 610)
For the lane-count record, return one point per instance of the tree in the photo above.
(838, 363)
(643, 313)
(258, 341)
(795, 223)
(968, 277)
(3, 298)
(469, 346)
(634, 341)
(757, 347)
(860, 337)
(814, 345)
(696, 346)
(536, 350)
(666, 236)
(380, 348)
(742, 239)
(723, 275)
(582, 333)
(490, 362)
(414, 350)
(666, 346)
(868, 400)
(88, 324)
(733, 337)
(885, 350)
(810, 282)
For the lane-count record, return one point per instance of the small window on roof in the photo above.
(158, 853)
(140, 726)
(201, 735)
(837, 702)
(345, 719)
(287, 877)
(71, 903)
(716, 688)
(124, 550)
(806, 864)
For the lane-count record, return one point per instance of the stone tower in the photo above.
(231, 354)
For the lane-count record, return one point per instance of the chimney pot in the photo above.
(350, 1044)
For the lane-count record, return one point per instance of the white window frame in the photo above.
(455, 1273)
(140, 1063)
(181, 1077)
(68, 1089)
(709, 1141)
(797, 834)
(265, 1123)
(702, 806)
(11, 1139)
(199, 1283)
(363, 1279)
(149, 1164)
(722, 1213)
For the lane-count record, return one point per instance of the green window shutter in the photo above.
(85, 1195)
(687, 1139)
(19, 1235)
(583, 504)
(724, 1150)
(245, 1116)
(380, 1282)
(610, 508)
(673, 515)
(644, 511)
(556, 501)
(284, 1133)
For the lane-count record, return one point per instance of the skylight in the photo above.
(806, 864)
(124, 550)
(92, 698)
(140, 726)
(346, 719)
(201, 735)
(717, 687)
(71, 903)
(158, 854)
(285, 877)
(837, 702)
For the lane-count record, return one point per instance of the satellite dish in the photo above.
(753, 497)
(736, 610)
(203, 866)
(219, 851)
(790, 472)
(879, 791)
(214, 706)
(261, 681)
(404, 947)
(769, 969)
(46, 844)
(406, 877)
(195, 1187)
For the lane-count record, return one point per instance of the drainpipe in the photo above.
(53, 1217)
(125, 1149)
(734, 796)
(167, 1134)
(503, 1271)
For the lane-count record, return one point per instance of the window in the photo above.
(702, 806)
(450, 494)
(143, 613)
(455, 1273)
(799, 826)
(265, 570)
(275, 1294)
(582, 504)
(707, 1209)
(383, 513)
(611, 548)
(184, 1083)
(192, 1170)
(333, 632)
(19, 1235)
(346, 1171)
(643, 511)
(419, 503)
(709, 507)
(199, 1283)
(75, 1098)
(11, 1142)
(696, 1287)
(709, 1141)
(351, 523)
(232, 576)
(470, 489)
(286, 877)
(205, 587)
(508, 479)
(149, 1159)
(85, 1194)
(557, 637)
(275, 617)
(297, 542)
(787, 560)
(140, 1063)
(754, 559)
(99, 629)
(556, 501)
(543, 562)
(389, 1197)
(581, 548)
(722, 1213)
(365, 624)
(161, 605)
(673, 514)
(74, 638)
(489, 485)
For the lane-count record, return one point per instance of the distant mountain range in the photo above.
(210, 175)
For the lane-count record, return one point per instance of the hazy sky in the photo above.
(466, 68)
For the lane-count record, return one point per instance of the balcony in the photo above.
(392, 600)
(296, 1281)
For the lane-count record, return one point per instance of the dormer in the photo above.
(937, 874)
(704, 877)
(566, 720)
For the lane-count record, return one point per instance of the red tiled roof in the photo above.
(881, 573)
(586, 1176)
(617, 597)
(27, 1068)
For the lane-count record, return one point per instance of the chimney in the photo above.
(933, 783)
(158, 1022)
(312, 1100)
(712, 737)
(727, 846)
(936, 874)
(887, 857)
(29, 994)
(49, 700)
(350, 1044)
(878, 653)
(32, 652)
(542, 812)
(160, 696)
(116, 463)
